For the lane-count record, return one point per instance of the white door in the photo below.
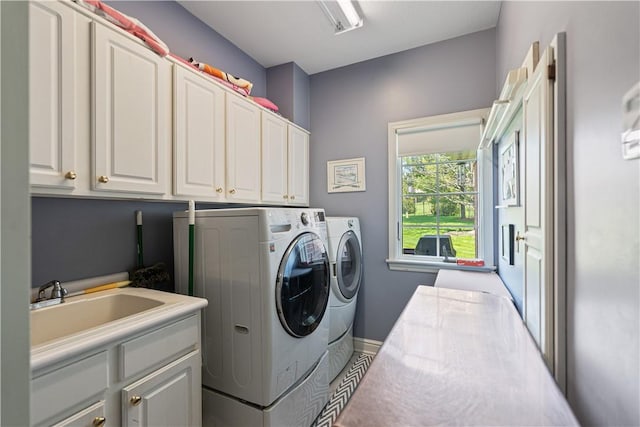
(170, 396)
(274, 159)
(51, 92)
(298, 181)
(198, 146)
(131, 110)
(243, 150)
(538, 207)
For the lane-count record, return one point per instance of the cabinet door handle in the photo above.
(70, 175)
(103, 179)
(135, 400)
(293, 197)
(99, 421)
(219, 190)
(232, 191)
(284, 196)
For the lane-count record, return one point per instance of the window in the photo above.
(440, 198)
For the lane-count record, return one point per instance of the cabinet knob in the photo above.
(293, 197)
(135, 400)
(70, 175)
(103, 179)
(284, 196)
(232, 191)
(99, 421)
(219, 190)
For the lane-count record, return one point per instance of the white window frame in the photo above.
(404, 262)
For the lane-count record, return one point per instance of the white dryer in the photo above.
(345, 257)
(265, 273)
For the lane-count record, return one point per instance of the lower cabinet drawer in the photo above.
(158, 347)
(58, 391)
(93, 416)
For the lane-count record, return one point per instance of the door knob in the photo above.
(519, 237)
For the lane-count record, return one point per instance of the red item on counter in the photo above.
(470, 262)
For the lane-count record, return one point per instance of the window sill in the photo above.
(431, 266)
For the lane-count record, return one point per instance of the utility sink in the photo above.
(82, 313)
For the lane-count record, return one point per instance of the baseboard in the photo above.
(367, 346)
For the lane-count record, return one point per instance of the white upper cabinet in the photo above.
(199, 136)
(131, 115)
(285, 162)
(243, 150)
(274, 159)
(52, 87)
(298, 159)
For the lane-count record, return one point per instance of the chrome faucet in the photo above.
(57, 295)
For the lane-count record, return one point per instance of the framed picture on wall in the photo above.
(509, 173)
(345, 175)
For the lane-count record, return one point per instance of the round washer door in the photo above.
(302, 286)
(349, 265)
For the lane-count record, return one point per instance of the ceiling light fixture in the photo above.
(344, 17)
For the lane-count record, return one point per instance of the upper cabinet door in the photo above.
(274, 160)
(243, 150)
(131, 115)
(298, 166)
(198, 146)
(52, 91)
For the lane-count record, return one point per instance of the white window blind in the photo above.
(441, 138)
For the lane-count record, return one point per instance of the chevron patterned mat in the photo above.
(343, 392)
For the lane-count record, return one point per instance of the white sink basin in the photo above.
(75, 316)
(87, 322)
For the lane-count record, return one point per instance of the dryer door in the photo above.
(349, 265)
(302, 286)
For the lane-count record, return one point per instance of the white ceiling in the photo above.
(277, 32)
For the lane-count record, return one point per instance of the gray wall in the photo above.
(187, 36)
(350, 110)
(280, 88)
(288, 88)
(302, 95)
(603, 61)
(78, 238)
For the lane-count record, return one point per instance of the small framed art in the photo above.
(346, 175)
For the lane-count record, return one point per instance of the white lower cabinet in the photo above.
(93, 416)
(167, 397)
(151, 378)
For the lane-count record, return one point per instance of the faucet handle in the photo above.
(57, 292)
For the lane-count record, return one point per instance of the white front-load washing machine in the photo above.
(345, 257)
(265, 273)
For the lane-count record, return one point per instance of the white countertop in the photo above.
(457, 357)
(174, 307)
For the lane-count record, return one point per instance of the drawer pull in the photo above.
(99, 421)
(135, 400)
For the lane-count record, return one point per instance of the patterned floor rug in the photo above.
(342, 394)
